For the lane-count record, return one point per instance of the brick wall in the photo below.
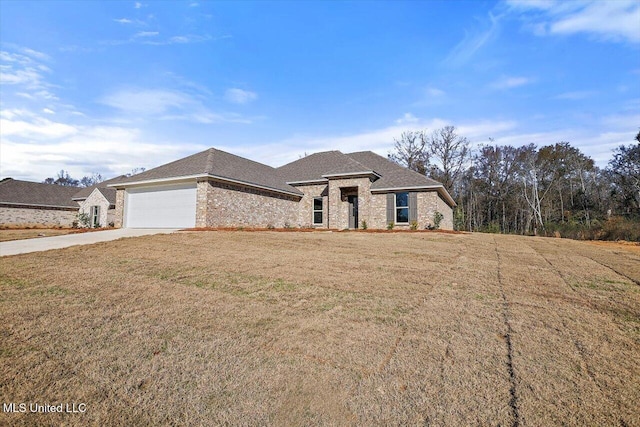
(428, 203)
(229, 205)
(30, 216)
(339, 208)
(118, 215)
(305, 206)
(97, 199)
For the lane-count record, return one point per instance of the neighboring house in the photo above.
(324, 190)
(24, 203)
(98, 202)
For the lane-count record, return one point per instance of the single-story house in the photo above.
(24, 203)
(330, 189)
(98, 202)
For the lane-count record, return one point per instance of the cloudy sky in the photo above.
(105, 87)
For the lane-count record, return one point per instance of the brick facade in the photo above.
(339, 205)
(372, 208)
(220, 204)
(305, 206)
(27, 216)
(96, 198)
(428, 203)
(230, 205)
(118, 215)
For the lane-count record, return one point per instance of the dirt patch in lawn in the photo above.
(262, 328)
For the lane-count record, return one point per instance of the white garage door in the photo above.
(171, 206)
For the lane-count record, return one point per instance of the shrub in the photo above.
(363, 224)
(270, 226)
(414, 225)
(84, 220)
(390, 225)
(437, 219)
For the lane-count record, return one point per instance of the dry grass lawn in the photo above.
(263, 328)
(20, 234)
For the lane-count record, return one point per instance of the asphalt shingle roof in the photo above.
(393, 175)
(86, 191)
(220, 164)
(313, 167)
(13, 191)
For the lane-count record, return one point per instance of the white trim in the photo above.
(420, 187)
(346, 174)
(158, 180)
(208, 176)
(311, 181)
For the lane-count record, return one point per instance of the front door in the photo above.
(353, 211)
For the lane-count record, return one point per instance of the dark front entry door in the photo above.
(353, 211)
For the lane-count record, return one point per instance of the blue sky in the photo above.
(105, 87)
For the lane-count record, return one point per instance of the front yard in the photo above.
(264, 328)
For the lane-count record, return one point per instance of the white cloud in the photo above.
(124, 21)
(240, 96)
(36, 54)
(48, 111)
(510, 82)
(146, 34)
(189, 38)
(146, 101)
(138, 5)
(617, 20)
(472, 42)
(25, 73)
(166, 104)
(407, 118)
(27, 125)
(435, 92)
(576, 95)
(10, 76)
(379, 141)
(34, 147)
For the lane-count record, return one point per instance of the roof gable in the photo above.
(315, 166)
(392, 174)
(217, 164)
(16, 192)
(86, 191)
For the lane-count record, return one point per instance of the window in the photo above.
(95, 216)
(402, 208)
(317, 210)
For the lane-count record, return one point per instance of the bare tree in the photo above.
(63, 179)
(88, 181)
(136, 171)
(411, 151)
(451, 154)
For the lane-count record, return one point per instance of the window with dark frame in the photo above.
(402, 208)
(95, 216)
(317, 210)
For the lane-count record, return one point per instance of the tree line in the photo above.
(63, 178)
(551, 190)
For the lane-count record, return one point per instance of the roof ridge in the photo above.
(209, 165)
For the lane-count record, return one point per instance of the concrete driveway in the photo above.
(39, 244)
